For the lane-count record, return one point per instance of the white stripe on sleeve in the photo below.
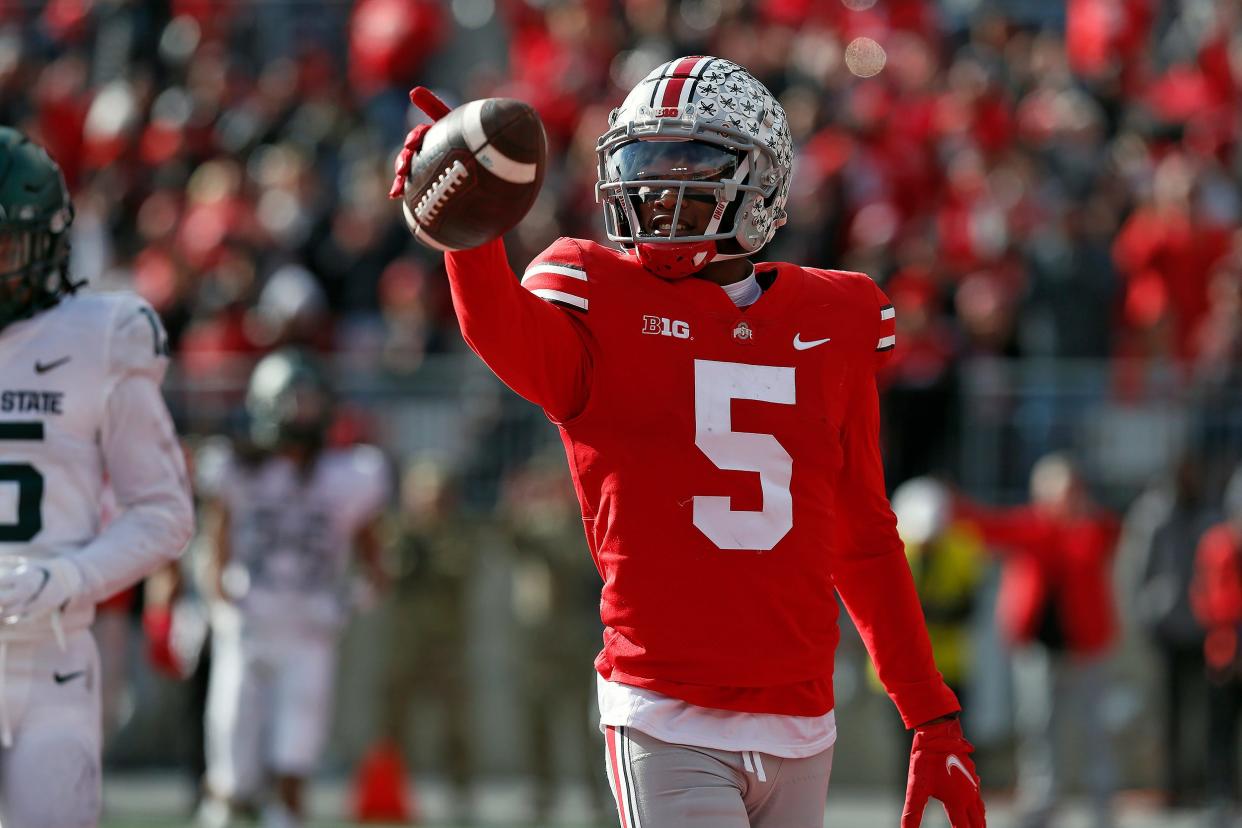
(561, 296)
(559, 270)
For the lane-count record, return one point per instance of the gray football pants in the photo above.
(661, 785)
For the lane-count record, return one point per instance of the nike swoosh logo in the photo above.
(953, 762)
(61, 678)
(800, 345)
(44, 367)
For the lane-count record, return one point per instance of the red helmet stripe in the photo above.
(680, 74)
(696, 73)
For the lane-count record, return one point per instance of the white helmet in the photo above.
(923, 508)
(733, 137)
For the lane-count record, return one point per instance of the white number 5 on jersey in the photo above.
(716, 386)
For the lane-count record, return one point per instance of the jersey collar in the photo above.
(785, 283)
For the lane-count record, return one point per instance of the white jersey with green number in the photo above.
(81, 409)
(292, 534)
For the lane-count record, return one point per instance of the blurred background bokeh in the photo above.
(1049, 192)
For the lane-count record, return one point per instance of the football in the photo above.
(477, 174)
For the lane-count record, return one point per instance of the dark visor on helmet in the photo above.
(672, 161)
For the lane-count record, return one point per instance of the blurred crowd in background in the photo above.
(1028, 181)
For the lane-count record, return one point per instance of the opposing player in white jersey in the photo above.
(291, 515)
(80, 402)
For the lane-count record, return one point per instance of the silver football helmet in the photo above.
(729, 139)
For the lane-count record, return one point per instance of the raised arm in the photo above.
(537, 344)
(1003, 529)
(531, 345)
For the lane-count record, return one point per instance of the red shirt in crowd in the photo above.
(1218, 582)
(1166, 260)
(1216, 596)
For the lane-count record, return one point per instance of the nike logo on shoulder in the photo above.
(953, 762)
(61, 678)
(802, 345)
(44, 367)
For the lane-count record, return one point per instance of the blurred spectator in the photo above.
(1165, 251)
(948, 564)
(1009, 153)
(1073, 287)
(1219, 337)
(1218, 605)
(438, 551)
(1163, 529)
(1056, 610)
(556, 591)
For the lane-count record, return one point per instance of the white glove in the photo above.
(37, 587)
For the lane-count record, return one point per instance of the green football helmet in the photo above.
(35, 214)
(289, 402)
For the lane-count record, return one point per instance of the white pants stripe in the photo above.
(620, 776)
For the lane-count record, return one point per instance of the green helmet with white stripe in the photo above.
(35, 214)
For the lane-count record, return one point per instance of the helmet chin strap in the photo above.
(678, 261)
(675, 261)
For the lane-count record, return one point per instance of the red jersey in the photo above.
(728, 468)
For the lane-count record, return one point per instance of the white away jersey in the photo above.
(80, 405)
(291, 537)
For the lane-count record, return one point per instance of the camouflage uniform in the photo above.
(556, 591)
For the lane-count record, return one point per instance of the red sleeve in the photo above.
(1217, 590)
(538, 348)
(1005, 529)
(870, 569)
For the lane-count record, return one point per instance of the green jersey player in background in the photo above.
(80, 405)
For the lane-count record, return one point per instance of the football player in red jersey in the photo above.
(721, 421)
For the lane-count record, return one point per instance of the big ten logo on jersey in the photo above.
(662, 326)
